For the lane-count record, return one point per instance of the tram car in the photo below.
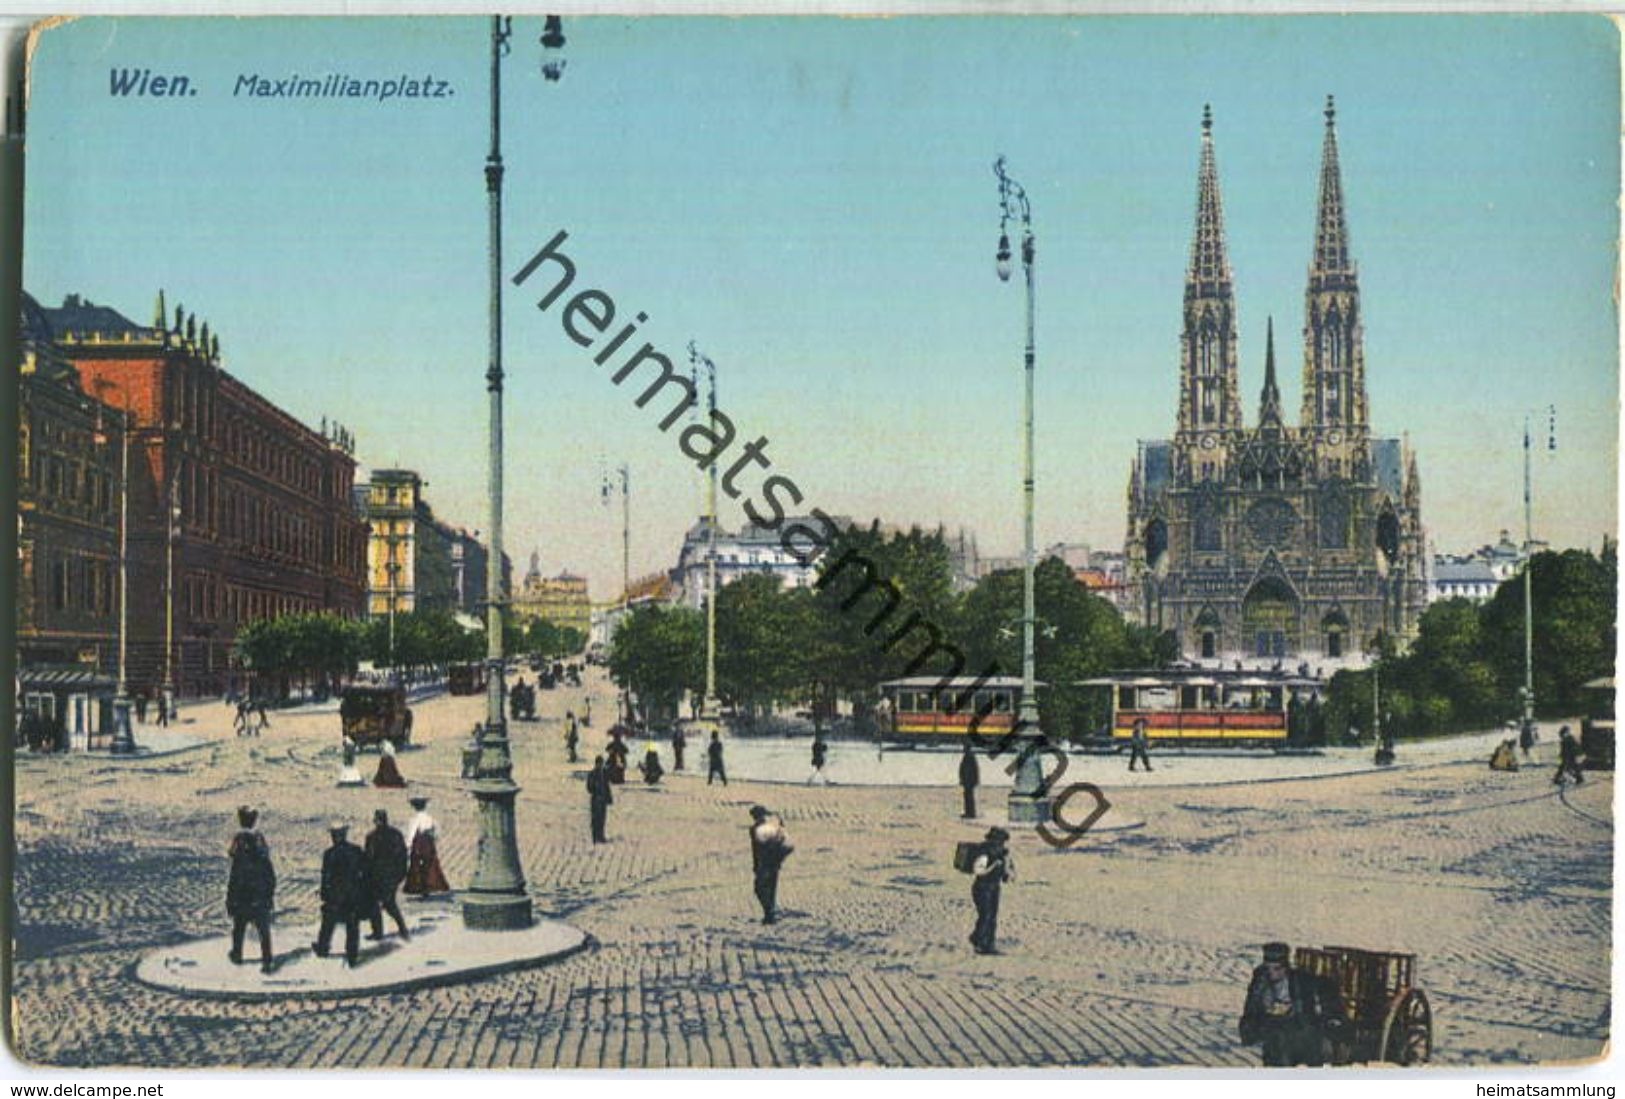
(930, 709)
(466, 679)
(1202, 707)
(1597, 727)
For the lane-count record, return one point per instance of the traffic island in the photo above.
(441, 951)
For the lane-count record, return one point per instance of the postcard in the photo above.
(940, 542)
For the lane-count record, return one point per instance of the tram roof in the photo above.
(1201, 677)
(918, 682)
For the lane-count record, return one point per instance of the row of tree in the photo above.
(308, 650)
(838, 640)
(1465, 669)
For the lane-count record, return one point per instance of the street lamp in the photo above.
(1528, 692)
(496, 899)
(710, 706)
(123, 743)
(1028, 803)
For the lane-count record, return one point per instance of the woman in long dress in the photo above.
(349, 773)
(388, 773)
(423, 874)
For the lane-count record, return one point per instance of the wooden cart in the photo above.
(1388, 1017)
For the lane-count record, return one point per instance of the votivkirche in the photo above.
(1275, 542)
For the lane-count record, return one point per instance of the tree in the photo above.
(761, 651)
(1574, 626)
(658, 653)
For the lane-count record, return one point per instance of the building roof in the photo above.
(81, 317)
(1471, 571)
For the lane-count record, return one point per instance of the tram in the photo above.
(1202, 707)
(929, 708)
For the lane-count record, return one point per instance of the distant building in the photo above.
(561, 600)
(754, 549)
(68, 493)
(1278, 541)
(1477, 575)
(646, 591)
(257, 504)
(415, 562)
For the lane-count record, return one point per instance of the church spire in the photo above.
(1269, 402)
(1209, 399)
(1209, 271)
(1334, 399)
(1331, 261)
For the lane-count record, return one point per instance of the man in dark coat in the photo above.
(820, 755)
(970, 776)
(386, 869)
(346, 896)
(1290, 1011)
(251, 888)
(1568, 757)
(571, 737)
(992, 868)
(617, 753)
(1139, 746)
(768, 850)
(678, 743)
(599, 798)
(713, 753)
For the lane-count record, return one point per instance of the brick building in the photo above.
(262, 520)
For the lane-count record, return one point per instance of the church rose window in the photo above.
(1271, 522)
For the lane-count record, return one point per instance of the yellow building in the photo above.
(561, 600)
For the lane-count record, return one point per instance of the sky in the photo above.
(812, 201)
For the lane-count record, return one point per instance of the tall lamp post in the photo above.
(1528, 691)
(710, 706)
(496, 899)
(1028, 803)
(123, 742)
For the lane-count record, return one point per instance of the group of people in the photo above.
(251, 718)
(358, 882)
(388, 775)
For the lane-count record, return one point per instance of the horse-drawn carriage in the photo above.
(1387, 1016)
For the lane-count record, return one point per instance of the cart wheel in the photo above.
(1409, 1031)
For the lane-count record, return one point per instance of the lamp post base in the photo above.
(1029, 801)
(497, 912)
(123, 743)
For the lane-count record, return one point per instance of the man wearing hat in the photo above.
(769, 847)
(251, 888)
(386, 869)
(1290, 1011)
(345, 894)
(992, 868)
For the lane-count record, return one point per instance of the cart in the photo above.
(1387, 1017)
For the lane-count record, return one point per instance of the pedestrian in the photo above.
(586, 714)
(970, 777)
(713, 752)
(349, 773)
(163, 711)
(389, 773)
(423, 874)
(1526, 736)
(599, 799)
(769, 847)
(239, 724)
(571, 736)
(820, 753)
(141, 708)
(264, 718)
(1504, 758)
(617, 753)
(1139, 745)
(1568, 757)
(250, 888)
(679, 742)
(345, 895)
(650, 767)
(1290, 1011)
(992, 868)
(386, 869)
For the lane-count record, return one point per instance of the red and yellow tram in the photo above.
(930, 707)
(1202, 707)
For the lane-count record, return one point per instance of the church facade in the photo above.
(1275, 542)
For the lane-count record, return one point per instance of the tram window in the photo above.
(1001, 702)
(1187, 698)
(1210, 698)
(1125, 698)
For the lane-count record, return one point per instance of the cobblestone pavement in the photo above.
(1130, 949)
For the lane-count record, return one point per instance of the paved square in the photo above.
(1129, 949)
